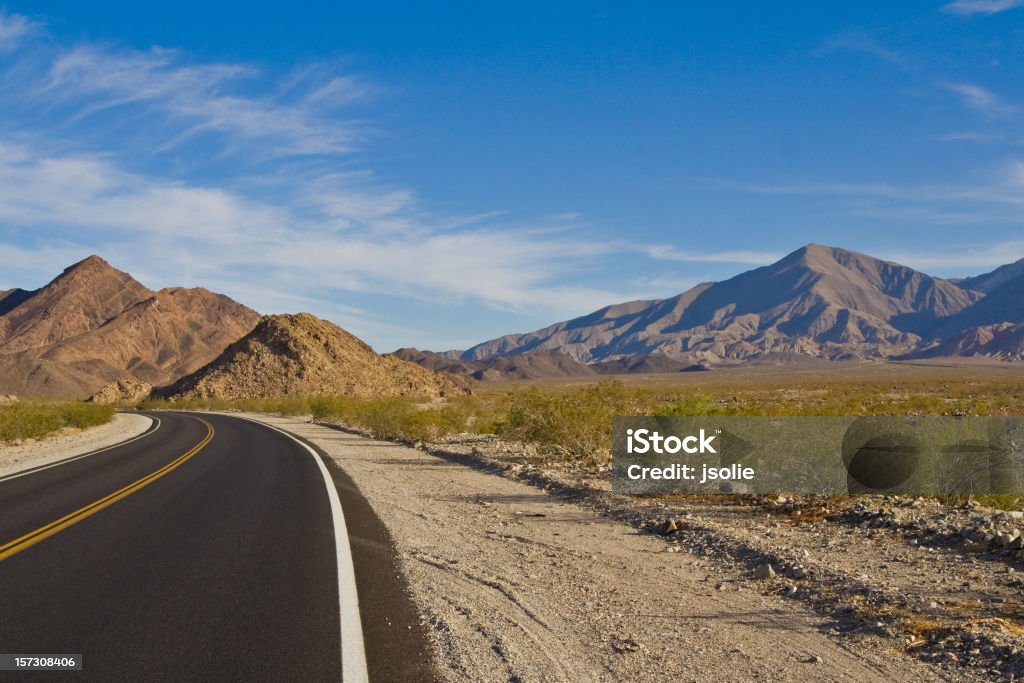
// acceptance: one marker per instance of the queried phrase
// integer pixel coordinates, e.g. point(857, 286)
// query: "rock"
point(790, 591)
point(667, 527)
point(1014, 514)
point(815, 659)
point(8, 399)
point(625, 645)
point(764, 571)
point(122, 391)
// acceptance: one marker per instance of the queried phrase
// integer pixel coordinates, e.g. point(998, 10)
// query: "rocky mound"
point(122, 391)
point(302, 355)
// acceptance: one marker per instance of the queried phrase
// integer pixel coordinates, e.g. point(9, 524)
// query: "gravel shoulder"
point(515, 582)
point(69, 443)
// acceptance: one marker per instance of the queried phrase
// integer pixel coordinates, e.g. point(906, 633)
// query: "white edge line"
point(353, 651)
point(33, 470)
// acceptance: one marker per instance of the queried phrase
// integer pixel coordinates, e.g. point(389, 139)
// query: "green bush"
point(32, 420)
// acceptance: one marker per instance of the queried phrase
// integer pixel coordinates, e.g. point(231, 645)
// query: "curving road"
point(203, 550)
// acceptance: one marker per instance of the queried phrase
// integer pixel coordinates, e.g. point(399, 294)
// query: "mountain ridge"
point(818, 301)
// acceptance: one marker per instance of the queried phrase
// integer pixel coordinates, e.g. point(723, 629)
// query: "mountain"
point(1004, 303)
point(988, 282)
point(436, 362)
point(818, 301)
point(1003, 341)
point(652, 363)
point(289, 355)
point(94, 324)
point(540, 365)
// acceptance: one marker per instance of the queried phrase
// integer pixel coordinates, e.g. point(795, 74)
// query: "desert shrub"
point(31, 420)
point(576, 424)
point(698, 405)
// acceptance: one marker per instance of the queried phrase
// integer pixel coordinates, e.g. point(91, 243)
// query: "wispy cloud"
point(1000, 191)
point(13, 29)
point(172, 229)
point(669, 253)
point(969, 136)
point(197, 99)
point(959, 260)
point(859, 41)
point(980, 99)
point(969, 7)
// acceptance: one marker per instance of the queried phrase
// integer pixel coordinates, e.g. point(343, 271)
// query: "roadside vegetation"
point(37, 419)
point(571, 422)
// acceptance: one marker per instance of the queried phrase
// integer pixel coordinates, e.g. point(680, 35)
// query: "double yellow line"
point(56, 526)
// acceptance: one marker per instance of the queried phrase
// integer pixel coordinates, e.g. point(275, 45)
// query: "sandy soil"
point(32, 453)
point(516, 583)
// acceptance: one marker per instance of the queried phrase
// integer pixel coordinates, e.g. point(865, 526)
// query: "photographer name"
point(677, 471)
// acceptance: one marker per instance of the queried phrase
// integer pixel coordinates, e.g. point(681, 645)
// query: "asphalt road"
point(205, 550)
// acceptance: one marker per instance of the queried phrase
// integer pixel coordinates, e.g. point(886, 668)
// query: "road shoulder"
point(514, 583)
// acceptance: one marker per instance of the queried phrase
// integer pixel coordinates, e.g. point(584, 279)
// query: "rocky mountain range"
point(817, 302)
point(94, 324)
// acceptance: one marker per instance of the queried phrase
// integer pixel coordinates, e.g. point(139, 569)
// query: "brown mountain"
point(988, 282)
point(651, 363)
point(1004, 303)
point(1003, 341)
point(94, 324)
point(818, 301)
point(540, 365)
point(290, 355)
point(436, 362)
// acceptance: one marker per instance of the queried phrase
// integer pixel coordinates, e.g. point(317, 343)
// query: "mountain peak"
point(94, 323)
point(89, 262)
point(815, 250)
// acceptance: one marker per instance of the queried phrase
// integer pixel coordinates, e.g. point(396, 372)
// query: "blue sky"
point(437, 174)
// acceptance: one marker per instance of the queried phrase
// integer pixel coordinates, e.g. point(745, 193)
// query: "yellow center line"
point(56, 526)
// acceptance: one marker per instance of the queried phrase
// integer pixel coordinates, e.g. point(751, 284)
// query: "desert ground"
point(524, 565)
